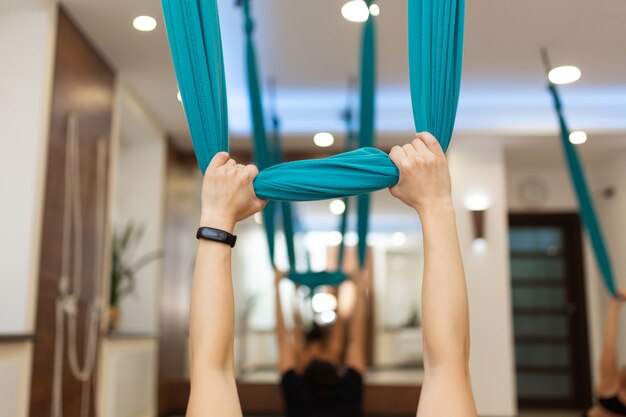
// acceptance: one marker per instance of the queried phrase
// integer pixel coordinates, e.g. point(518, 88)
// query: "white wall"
point(27, 49)
point(560, 197)
point(138, 197)
point(27, 42)
point(480, 169)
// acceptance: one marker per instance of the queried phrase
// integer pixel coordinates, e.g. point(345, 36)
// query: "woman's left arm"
point(227, 197)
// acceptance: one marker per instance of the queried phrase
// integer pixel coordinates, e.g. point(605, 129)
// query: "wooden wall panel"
point(83, 83)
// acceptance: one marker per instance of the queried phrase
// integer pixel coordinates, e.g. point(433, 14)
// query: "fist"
point(424, 177)
point(227, 193)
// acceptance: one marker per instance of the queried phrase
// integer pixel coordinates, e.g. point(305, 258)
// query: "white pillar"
point(479, 169)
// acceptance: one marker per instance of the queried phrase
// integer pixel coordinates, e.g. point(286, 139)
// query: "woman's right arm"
point(425, 185)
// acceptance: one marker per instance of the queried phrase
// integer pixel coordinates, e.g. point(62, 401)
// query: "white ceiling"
point(311, 51)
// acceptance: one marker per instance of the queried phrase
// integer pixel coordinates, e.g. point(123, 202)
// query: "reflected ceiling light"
point(374, 10)
point(477, 202)
point(335, 238)
point(355, 11)
point(323, 301)
point(564, 75)
point(323, 139)
point(337, 207)
point(258, 218)
point(398, 239)
point(327, 317)
point(144, 23)
point(578, 137)
point(179, 97)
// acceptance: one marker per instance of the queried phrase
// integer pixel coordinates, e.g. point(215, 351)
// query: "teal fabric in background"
point(585, 202)
point(435, 55)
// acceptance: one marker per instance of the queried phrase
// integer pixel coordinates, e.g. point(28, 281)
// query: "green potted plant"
point(124, 267)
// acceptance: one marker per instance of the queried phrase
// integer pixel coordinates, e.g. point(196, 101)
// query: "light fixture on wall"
point(477, 204)
point(398, 239)
point(564, 75)
point(144, 23)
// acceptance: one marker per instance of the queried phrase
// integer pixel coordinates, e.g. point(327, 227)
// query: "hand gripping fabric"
point(435, 55)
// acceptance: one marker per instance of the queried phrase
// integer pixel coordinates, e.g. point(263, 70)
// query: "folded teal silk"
point(585, 202)
point(314, 279)
point(435, 52)
point(352, 173)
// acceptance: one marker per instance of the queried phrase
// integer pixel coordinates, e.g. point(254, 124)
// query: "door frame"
point(576, 291)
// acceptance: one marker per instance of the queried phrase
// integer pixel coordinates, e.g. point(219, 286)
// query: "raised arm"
point(609, 382)
point(286, 359)
point(227, 197)
point(425, 185)
point(355, 351)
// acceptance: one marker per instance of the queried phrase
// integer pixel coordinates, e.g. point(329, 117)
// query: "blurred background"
point(91, 123)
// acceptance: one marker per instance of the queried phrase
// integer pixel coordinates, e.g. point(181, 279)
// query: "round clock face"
point(533, 191)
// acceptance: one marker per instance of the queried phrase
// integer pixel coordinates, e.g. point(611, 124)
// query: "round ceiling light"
point(323, 139)
point(355, 11)
point(144, 23)
point(578, 137)
point(564, 75)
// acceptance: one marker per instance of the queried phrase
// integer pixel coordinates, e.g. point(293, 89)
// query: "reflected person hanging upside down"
point(611, 388)
point(228, 197)
point(314, 380)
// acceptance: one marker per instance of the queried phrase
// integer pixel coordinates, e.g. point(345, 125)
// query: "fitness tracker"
point(216, 235)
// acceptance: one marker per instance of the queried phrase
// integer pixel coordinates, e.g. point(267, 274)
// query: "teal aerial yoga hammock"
point(435, 55)
point(587, 210)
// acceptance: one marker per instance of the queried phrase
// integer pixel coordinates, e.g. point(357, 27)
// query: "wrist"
point(435, 208)
point(218, 221)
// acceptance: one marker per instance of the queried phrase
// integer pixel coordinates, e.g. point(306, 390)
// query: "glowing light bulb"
point(337, 207)
point(323, 301)
point(323, 139)
point(564, 75)
point(355, 11)
point(374, 10)
point(578, 137)
point(144, 23)
point(398, 239)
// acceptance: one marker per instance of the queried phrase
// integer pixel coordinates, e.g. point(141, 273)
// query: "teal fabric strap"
point(435, 52)
point(315, 279)
point(367, 122)
point(585, 202)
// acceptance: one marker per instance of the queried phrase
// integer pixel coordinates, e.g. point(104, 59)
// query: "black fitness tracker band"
point(216, 235)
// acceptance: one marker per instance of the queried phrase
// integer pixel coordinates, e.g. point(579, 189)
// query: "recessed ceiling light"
point(578, 137)
point(337, 207)
point(323, 139)
point(355, 11)
point(564, 75)
point(144, 23)
point(374, 10)
point(179, 97)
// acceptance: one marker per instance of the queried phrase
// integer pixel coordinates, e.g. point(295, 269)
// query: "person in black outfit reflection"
point(611, 388)
point(314, 380)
